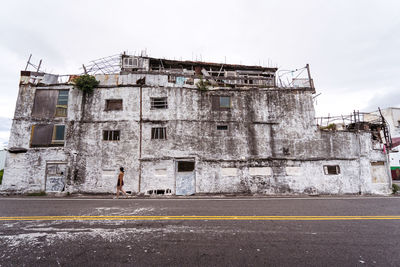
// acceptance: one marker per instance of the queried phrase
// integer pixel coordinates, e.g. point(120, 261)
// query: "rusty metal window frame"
point(158, 102)
point(111, 135)
point(331, 169)
point(110, 101)
point(159, 133)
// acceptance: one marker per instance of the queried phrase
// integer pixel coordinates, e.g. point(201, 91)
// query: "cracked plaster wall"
point(268, 128)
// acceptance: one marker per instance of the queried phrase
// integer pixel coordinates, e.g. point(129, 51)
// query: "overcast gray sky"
point(352, 46)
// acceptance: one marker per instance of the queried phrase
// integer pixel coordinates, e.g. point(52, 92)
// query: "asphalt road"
point(295, 232)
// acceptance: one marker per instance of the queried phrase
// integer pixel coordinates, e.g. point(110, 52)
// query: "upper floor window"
point(111, 135)
point(62, 103)
point(221, 102)
point(159, 102)
point(159, 133)
point(130, 62)
point(50, 103)
point(45, 135)
point(113, 104)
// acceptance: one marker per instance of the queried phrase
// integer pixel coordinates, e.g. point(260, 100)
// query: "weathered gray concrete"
point(271, 145)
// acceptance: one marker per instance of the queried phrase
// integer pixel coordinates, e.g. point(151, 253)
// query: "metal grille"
point(159, 103)
point(159, 133)
point(111, 135)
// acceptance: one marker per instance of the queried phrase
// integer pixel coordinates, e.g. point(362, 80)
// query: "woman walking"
point(120, 182)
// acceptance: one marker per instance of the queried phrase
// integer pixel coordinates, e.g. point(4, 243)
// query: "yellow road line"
point(160, 218)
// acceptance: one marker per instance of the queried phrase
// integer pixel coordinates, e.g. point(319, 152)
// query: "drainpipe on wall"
point(140, 139)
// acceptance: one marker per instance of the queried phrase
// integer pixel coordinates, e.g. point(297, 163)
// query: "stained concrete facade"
point(240, 134)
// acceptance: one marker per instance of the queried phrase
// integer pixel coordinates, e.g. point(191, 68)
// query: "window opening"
point(114, 104)
point(331, 169)
point(111, 135)
point(159, 102)
point(224, 101)
point(58, 134)
point(185, 166)
point(222, 127)
point(62, 103)
point(159, 133)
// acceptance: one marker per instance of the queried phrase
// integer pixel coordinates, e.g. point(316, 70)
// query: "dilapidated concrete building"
point(185, 127)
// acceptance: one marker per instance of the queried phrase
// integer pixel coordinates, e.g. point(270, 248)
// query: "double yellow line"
point(197, 218)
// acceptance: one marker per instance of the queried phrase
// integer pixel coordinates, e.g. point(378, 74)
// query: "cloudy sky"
point(353, 47)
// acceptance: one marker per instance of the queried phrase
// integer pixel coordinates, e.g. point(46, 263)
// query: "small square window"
point(114, 104)
point(331, 169)
point(159, 133)
point(224, 101)
point(111, 135)
point(159, 102)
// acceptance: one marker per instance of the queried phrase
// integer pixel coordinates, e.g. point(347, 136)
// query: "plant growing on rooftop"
point(86, 83)
point(203, 85)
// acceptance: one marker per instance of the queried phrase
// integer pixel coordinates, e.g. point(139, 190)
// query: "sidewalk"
point(196, 196)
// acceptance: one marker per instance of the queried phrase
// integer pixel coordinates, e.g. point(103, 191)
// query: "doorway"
point(185, 177)
point(55, 177)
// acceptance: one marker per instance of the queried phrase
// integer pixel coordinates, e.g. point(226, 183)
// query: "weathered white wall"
point(271, 145)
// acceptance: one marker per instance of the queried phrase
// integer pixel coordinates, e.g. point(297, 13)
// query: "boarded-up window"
point(331, 169)
point(159, 133)
point(221, 102)
point(114, 104)
point(111, 135)
point(159, 102)
point(47, 135)
point(44, 105)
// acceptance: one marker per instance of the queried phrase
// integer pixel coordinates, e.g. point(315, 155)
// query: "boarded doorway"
point(378, 172)
point(185, 177)
point(55, 177)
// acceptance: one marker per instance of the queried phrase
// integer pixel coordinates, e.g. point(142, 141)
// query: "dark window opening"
point(222, 127)
point(111, 135)
point(114, 104)
point(159, 102)
point(185, 166)
point(331, 169)
point(159, 133)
